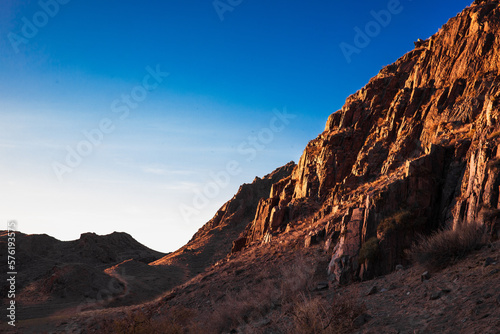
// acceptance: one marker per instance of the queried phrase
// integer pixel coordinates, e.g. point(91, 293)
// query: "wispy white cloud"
point(158, 170)
point(180, 186)
point(30, 144)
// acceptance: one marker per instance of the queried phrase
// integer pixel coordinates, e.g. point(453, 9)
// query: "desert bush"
point(316, 315)
point(444, 247)
point(401, 220)
point(295, 278)
point(311, 315)
point(280, 288)
point(241, 307)
point(369, 250)
point(394, 222)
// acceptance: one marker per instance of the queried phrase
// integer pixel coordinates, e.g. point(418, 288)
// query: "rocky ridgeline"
point(413, 150)
point(218, 237)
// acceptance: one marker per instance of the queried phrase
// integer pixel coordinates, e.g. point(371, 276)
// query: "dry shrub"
point(278, 289)
point(370, 250)
point(398, 220)
point(178, 320)
point(310, 316)
point(241, 307)
point(295, 278)
point(444, 247)
point(316, 315)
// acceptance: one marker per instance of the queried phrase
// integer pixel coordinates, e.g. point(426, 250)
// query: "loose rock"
point(373, 290)
point(489, 261)
point(361, 320)
point(435, 295)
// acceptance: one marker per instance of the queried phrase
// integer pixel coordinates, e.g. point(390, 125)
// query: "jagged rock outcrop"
point(413, 150)
point(219, 236)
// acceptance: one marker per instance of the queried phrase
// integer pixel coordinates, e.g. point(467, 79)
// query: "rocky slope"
point(413, 150)
point(464, 298)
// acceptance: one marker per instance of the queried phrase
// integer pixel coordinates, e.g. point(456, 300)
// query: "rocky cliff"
point(413, 150)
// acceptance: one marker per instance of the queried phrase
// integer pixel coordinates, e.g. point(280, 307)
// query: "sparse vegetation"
point(243, 307)
point(178, 320)
point(444, 247)
point(369, 250)
point(315, 315)
point(283, 297)
point(310, 316)
point(397, 221)
point(295, 278)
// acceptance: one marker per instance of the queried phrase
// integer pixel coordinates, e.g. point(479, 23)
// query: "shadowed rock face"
point(413, 150)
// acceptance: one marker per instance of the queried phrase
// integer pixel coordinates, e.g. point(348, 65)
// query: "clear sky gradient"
point(95, 136)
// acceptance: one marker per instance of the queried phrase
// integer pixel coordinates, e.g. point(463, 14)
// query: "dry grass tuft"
point(278, 289)
point(315, 315)
point(444, 247)
point(295, 278)
point(242, 308)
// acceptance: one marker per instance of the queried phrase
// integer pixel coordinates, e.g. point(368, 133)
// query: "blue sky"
point(91, 77)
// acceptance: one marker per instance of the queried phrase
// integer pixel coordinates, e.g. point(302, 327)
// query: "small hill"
point(55, 275)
